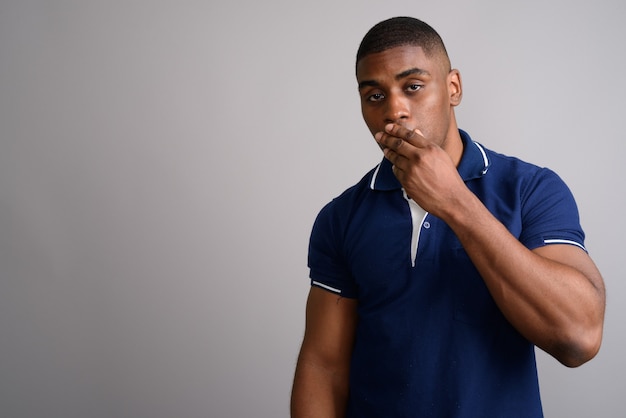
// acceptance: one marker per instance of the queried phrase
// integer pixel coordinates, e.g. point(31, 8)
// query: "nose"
point(397, 109)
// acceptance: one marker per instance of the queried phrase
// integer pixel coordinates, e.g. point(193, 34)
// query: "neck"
point(454, 143)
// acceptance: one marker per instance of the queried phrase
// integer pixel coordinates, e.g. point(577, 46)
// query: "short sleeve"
point(549, 212)
point(327, 262)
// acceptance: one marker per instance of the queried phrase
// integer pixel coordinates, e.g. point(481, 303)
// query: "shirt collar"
point(474, 164)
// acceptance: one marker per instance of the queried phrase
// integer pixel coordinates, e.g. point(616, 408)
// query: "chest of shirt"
point(434, 272)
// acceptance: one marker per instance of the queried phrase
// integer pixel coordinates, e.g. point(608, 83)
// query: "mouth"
point(406, 126)
point(409, 127)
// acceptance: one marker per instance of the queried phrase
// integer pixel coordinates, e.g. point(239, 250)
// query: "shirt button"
point(426, 224)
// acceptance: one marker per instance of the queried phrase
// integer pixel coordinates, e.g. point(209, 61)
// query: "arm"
point(553, 295)
point(320, 387)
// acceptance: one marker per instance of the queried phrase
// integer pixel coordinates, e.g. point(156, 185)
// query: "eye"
point(376, 97)
point(414, 87)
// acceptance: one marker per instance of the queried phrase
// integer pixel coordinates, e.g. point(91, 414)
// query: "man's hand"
point(424, 168)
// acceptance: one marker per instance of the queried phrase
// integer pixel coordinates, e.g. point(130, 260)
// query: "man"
point(435, 276)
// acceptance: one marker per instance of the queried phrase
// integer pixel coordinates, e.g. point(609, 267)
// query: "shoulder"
point(526, 175)
point(351, 197)
point(499, 161)
point(545, 205)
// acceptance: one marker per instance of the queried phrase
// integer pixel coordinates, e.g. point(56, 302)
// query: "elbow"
point(579, 348)
point(580, 338)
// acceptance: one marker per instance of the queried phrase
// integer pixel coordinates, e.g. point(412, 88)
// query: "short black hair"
point(402, 31)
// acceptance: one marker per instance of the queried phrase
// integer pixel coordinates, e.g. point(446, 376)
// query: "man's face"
point(402, 85)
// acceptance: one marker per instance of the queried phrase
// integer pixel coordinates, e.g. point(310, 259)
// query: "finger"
point(397, 172)
point(412, 136)
point(391, 155)
point(397, 160)
point(387, 141)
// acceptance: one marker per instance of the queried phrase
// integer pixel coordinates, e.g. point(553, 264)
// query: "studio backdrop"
point(162, 163)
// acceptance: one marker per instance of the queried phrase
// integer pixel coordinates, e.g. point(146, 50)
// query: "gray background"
point(162, 162)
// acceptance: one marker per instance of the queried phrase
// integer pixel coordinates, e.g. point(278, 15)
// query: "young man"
point(434, 277)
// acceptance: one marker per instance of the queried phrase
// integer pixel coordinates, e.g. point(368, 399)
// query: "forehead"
point(393, 61)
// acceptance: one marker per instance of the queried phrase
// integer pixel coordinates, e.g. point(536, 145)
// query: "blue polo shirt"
point(430, 340)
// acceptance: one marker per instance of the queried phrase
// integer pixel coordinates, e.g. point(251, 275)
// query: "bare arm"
point(554, 295)
point(321, 381)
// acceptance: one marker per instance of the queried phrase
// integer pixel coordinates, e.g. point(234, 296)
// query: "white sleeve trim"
point(322, 285)
point(563, 241)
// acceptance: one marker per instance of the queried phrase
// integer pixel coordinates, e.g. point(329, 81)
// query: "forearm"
point(318, 392)
point(554, 305)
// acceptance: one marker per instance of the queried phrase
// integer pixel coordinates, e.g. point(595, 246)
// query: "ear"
point(455, 87)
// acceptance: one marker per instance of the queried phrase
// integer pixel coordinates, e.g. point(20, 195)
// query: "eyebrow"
point(399, 76)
